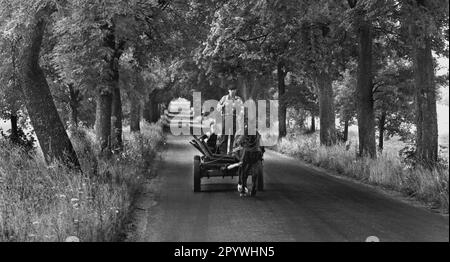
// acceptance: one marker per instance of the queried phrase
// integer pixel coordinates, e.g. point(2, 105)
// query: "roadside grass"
point(429, 186)
point(51, 203)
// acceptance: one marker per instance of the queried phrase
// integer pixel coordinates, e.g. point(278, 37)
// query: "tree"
point(10, 96)
point(281, 74)
point(89, 69)
point(323, 51)
point(248, 41)
point(132, 84)
point(108, 28)
point(393, 97)
point(300, 96)
point(49, 129)
point(345, 100)
point(365, 115)
point(426, 22)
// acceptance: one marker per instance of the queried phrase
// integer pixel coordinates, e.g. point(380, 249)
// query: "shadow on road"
point(218, 187)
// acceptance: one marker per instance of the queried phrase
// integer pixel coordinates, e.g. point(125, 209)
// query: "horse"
point(250, 154)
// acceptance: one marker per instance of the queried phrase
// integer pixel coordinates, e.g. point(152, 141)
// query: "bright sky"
point(442, 70)
point(443, 66)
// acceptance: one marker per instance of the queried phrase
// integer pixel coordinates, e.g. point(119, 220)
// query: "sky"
point(442, 70)
point(443, 66)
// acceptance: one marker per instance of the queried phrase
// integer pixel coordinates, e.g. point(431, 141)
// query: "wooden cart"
point(215, 165)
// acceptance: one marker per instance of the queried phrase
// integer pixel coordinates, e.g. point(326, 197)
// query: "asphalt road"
point(299, 203)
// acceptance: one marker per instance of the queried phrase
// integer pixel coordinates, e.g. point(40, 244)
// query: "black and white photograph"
point(224, 128)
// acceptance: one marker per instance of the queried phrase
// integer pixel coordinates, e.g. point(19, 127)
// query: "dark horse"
point(250, 153)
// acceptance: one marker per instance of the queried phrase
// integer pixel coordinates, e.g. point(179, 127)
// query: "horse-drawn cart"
point(215, 165)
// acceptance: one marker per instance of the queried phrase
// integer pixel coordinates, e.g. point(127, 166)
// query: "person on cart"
point(230, 106)
point(211, 138)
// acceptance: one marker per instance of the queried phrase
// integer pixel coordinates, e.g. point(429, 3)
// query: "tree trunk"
point(346, 124)
point(313, 123)
point(155, 112)
point(112, 81)
point(151, 109)
point(249, 84)
point(281, 71)
point(135, 114)
point(256, 83)
point(244, 83)
point(326, 111)
point(116, 120)
point(366, 117)
point(381, 128)
point(302, 117)
point(146, 115)
point(49, 129)
point(14, 128)
point(425, 99)
point(103, 122)
point(74, 104)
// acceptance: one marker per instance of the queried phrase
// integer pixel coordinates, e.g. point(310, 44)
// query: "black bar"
point(286, 251)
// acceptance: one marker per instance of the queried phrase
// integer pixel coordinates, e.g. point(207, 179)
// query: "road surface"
point(300, 203)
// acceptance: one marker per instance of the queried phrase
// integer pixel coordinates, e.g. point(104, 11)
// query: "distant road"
point(299, 204)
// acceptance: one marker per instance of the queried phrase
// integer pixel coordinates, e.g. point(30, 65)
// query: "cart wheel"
point(197, 174)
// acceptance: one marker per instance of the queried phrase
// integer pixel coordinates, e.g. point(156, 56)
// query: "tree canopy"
point(365, 62)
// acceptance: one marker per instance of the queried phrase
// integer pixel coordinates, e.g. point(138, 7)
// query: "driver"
point(231, 100)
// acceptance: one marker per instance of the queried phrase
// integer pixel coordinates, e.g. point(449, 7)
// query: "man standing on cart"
point(230, 106)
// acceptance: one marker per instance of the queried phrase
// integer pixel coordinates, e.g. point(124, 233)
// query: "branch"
point(253, 38)
point(376, 86)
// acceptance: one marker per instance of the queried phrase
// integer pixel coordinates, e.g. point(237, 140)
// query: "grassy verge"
point(52, 203)
point(428, 186)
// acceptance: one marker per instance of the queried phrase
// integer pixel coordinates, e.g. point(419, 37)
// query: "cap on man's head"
point(232, 87)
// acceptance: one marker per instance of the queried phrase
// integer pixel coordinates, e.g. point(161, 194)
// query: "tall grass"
point(51, 203)
point(429, 186)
